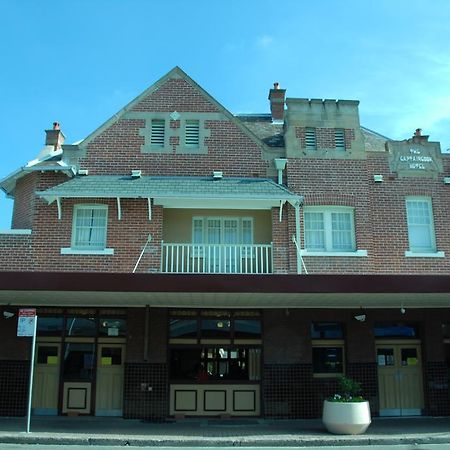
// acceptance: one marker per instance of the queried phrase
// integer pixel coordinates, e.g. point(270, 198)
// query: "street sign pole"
point(30, 390)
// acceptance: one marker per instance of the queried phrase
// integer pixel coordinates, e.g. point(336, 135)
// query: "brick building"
point(186, 261)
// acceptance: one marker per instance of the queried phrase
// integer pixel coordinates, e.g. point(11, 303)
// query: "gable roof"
point(175, 73)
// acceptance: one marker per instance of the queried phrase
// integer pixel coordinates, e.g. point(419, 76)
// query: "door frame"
point(397, 345)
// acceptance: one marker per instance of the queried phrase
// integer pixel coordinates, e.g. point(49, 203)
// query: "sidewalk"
point(207, 433)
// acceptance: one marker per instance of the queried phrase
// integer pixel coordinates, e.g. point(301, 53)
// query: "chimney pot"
point(54, 137)
point(276, 85)
point(418, 132)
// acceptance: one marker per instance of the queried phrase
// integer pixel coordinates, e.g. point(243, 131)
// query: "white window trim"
point(16, 231)
point(419, 253)
point(358, 253)
point(328, 232)
point(73, 249)
point(410, 254)
point(239, 220)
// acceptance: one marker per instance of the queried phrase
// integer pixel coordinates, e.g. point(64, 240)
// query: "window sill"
point(328, 375)
point(16, 232)
point(409, 254)
point(312, 253)
point(74, 251)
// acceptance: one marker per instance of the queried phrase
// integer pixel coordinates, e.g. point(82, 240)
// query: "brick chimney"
point(419, 137)
point(276, 98)
point(55, 137)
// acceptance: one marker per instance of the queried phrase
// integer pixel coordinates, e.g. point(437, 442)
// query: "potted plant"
point(347, 412)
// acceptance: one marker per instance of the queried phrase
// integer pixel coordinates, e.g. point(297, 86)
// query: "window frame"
point(431, 231)
point(240, 229)
point(328, 248)
point(75, 249)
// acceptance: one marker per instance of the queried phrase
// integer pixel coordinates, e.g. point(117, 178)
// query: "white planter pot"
point(346, 418)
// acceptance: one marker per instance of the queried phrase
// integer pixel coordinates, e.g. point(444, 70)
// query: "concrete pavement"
point(215, 432)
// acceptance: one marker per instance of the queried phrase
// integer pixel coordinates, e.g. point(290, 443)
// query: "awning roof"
point(224, 291)
point(176, 191)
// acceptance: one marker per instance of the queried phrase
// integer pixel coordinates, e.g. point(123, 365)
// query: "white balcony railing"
point(217, 258)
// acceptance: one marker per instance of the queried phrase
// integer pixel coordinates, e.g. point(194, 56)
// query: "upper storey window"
point(339, 139)
point(310, 139)
point(420, 225)
point(157, 133)
point(192, 137)
point(329, 229)
point(89, 227)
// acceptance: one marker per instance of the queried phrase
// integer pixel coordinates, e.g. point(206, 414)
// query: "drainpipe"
point(280, 165)
point(297, 236)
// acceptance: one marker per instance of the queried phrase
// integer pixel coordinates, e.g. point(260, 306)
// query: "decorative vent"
point(158, 129)
point(192, 133)
point(310, 138)
point(339, 139)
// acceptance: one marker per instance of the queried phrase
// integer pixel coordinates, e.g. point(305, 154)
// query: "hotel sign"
point(415, 160)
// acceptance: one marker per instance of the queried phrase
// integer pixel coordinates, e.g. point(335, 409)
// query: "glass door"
point(78, 375)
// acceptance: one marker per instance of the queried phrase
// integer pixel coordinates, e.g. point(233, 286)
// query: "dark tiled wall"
point(139, 401)
point(14, 379)
point(291, 392)
point(437, 395)
point(286, 391)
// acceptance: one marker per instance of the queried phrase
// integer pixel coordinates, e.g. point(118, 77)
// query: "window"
point(420, 225)
point(158, 133)
point(222, 230)
point(192, 138)
point(310, 139)
point(327, 349)
point(339, 139)
point(329, 229)
point(89, 227)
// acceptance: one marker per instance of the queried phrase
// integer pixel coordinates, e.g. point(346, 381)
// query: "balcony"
point(217, 258)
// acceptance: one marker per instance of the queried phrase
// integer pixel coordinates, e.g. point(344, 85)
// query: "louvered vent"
point(339, 139)
point(192, 133)
point(158, 128)
point(310, 138)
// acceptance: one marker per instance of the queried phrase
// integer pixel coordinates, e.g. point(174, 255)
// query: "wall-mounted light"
point(8, 314)
point(360, 317)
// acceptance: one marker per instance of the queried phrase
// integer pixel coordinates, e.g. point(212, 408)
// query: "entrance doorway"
point(400, 378)
point(79, 366)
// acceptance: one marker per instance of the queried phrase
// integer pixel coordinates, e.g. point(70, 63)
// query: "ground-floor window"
point(327, 340)
point(215, 345)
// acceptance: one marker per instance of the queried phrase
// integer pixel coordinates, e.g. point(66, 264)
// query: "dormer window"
point(158, 132)
point(192, 138)
point(339, 139)
point(310, 139)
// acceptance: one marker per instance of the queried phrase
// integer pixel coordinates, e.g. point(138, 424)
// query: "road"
point(108, 447)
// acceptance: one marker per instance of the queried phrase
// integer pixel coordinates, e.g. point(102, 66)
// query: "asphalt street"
point(101, 447)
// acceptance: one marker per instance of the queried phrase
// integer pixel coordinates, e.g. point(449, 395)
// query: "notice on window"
point(52, 360)
point(106, 361)
point(411, 361)
point(381, 360)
